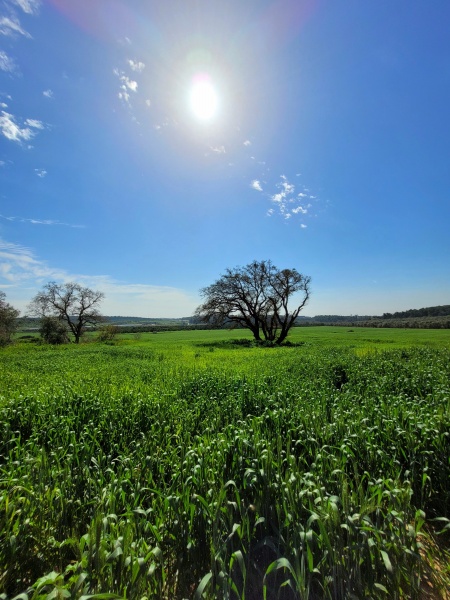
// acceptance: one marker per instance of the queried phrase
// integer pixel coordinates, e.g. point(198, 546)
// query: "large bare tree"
point(256, 297)
point(75, 305)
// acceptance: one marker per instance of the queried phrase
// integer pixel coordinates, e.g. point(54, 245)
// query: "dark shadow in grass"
point(246, 343)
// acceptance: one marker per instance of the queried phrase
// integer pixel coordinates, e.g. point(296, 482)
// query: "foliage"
point(165, 470)
point(54, 331)
point(430, 311)
point(256, 297)
point(107, 332)
point(8, 320)
point(77, 306)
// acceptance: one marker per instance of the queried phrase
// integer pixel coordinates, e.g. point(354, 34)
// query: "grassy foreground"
point(192, 465)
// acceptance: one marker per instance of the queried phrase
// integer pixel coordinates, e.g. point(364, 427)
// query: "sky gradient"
point(328, 150)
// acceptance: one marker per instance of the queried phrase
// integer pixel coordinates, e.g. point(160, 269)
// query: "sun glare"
point(203, 99)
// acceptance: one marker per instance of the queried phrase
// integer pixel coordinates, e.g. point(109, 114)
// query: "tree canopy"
point(8, 320)
point(75, 305)
point(256, 297)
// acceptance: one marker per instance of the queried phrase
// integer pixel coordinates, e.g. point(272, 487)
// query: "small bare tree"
point(256, 297)
point(75, 305)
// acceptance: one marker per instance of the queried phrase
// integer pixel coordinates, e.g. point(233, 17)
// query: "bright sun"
point(203, 98)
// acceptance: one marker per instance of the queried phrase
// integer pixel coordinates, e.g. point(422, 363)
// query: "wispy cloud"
point(256, 185)
point(31, 7)
point(7, 64)
point(14, 132)
point(34, 123)
point(48, 93)
point(40, 172)
point(40, 222)
point(11, 26)
point(247, 143)
point(218, 149)
point(19, 267)
point(136, 66)
point(18, 264)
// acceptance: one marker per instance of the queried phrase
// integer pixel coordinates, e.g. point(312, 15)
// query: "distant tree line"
point(430, 311)
point(411, 323)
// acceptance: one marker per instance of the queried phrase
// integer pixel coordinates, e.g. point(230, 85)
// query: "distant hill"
point(429, 317)
point(431, 311)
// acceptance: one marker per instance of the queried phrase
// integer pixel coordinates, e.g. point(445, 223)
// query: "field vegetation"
point(197, 464)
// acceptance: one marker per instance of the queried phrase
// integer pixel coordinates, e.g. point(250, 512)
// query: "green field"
point(192, 464)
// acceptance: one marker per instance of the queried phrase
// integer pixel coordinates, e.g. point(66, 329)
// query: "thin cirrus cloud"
point(30, 7)
point(18, 266)
point(40, 173)
point(10, 26)
point(40, 221)
point(218, 149)
point(11, 130)
point(48, 93)
point(7, 63)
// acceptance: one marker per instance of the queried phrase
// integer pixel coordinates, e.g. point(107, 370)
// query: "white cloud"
point(285, 201)
point(303, 226)
point(125, 96)
point(300, 209)
point(256, 185)
point(40, 172)
point(11, 27)
point(48, 93)
point(136, 66)
point(30, 7)
point(247, 143)
point(218, 149)
point(12, 131)
point(278, 198)
point(7, 64)
point(21, 271)
point(127, 85)
point(34, 123)
point(148, 103)
point(18, 264)
point(40, 221)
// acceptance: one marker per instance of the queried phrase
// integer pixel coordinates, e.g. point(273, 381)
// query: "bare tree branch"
point(70, 302)
point(255, 297)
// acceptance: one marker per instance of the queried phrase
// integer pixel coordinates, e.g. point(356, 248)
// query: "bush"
point(54, 331)
point(106, 333)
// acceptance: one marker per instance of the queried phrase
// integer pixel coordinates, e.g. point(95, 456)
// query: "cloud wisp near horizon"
point(20, 267)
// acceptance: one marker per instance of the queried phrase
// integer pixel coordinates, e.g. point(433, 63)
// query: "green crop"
point(192, 466)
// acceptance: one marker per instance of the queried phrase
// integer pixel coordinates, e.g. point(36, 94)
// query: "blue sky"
point(324, 146)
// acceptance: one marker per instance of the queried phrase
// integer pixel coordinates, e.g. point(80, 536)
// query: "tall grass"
point(138, 472)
